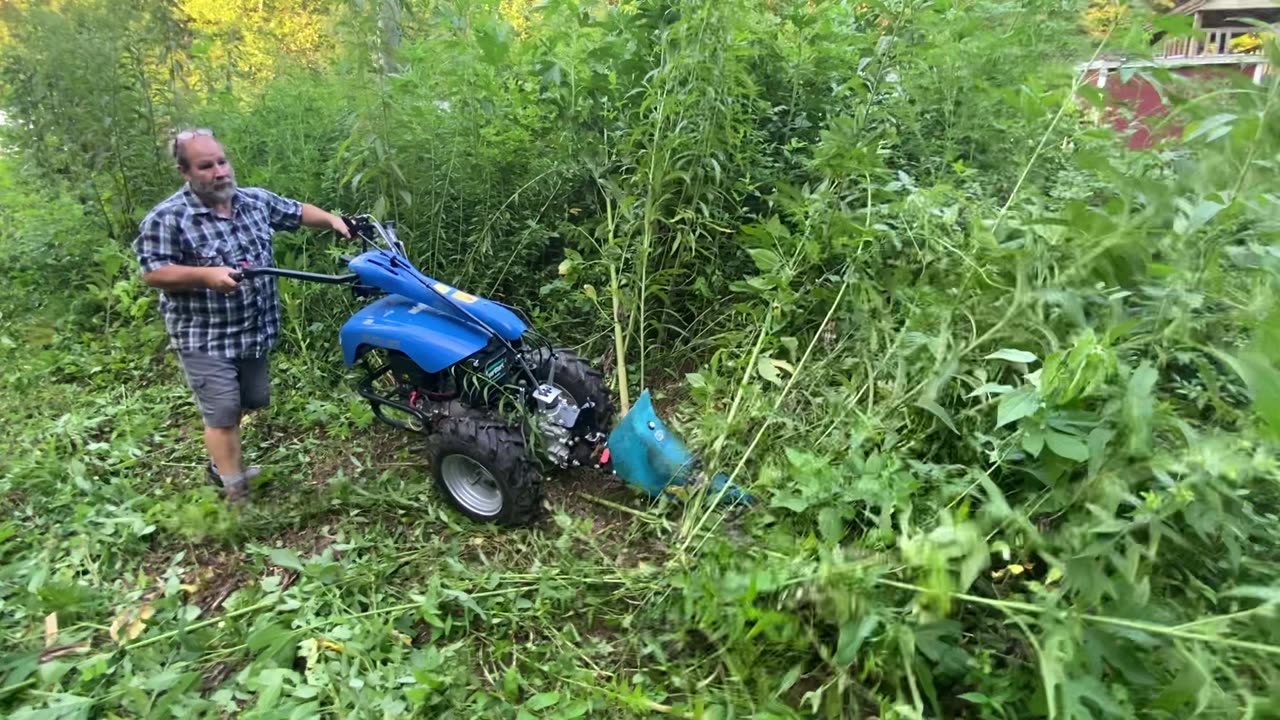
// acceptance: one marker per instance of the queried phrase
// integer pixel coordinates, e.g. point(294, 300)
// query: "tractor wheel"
point(483, 467)
point(584, 385)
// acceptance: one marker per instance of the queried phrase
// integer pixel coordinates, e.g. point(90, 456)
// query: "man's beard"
point(216, 192)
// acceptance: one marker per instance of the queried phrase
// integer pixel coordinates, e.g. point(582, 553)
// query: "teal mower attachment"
point(646, 455)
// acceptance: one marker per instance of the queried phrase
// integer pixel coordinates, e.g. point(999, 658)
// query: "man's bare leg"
point(223, 445)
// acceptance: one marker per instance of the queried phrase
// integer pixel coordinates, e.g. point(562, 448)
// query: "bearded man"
point(191, 247)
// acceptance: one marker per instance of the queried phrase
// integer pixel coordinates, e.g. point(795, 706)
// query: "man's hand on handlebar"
point(223, 279)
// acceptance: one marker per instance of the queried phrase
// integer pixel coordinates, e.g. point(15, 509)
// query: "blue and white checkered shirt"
point(182, 230)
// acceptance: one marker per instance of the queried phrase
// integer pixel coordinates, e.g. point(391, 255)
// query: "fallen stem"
point(648, 704)
point(203, 623)
point(1152, 628)
point(640, 514)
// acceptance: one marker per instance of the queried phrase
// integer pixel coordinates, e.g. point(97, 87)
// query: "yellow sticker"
point(442, 288)
point(463, 297)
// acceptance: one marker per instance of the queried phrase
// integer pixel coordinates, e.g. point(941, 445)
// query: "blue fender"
point(396, 276)
point(432, 338)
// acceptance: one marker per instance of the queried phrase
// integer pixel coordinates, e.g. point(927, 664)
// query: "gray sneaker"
point(236, 489)
point(215, 479)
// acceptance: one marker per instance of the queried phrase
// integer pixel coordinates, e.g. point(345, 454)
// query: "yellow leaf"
point(1016, 569)
point(133, 620)
point(331, 645)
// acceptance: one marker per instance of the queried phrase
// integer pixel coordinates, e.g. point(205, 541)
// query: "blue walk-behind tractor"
point(498, 402)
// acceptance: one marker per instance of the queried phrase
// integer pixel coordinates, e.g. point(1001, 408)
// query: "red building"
point(1223, 43)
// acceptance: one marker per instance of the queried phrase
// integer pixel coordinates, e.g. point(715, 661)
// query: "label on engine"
point(494, 371)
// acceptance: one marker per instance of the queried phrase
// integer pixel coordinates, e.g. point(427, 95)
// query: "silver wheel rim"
point(471, 485)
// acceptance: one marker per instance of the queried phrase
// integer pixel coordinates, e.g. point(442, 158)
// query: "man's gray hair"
point(180, 141)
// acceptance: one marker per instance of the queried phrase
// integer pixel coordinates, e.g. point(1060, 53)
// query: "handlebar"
point(293, 275)
point(363, 226)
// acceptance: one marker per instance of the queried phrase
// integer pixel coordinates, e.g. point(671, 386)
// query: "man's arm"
point(314, 217)
point(158, 252)
point(186, 277)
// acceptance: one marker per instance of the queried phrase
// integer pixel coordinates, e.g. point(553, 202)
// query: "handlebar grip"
point(354, 226)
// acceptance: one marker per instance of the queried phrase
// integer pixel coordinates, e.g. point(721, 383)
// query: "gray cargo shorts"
point(224, 387)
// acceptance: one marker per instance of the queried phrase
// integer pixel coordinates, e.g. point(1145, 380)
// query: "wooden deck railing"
point(1215, 42)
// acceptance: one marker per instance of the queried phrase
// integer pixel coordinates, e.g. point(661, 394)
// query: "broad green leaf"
point(264, 636)
point(990, 389)
point(768, 369)
point(831, 524)
point(270, 683)
point(790, 678)
point(543, 700)
point(285, 558)
point(1033, 441)
point(1215, 127)
point(765, 260)
point(465, 600)
point(1099, 438)
point(791, 502)
point(1011, 355)
point(975, 697)
point(511, 683)
point(1019, 404)
point(1264, 384)
point(852, 635)
point(1138, 408)
point(1067, 446)
point(1192, 218)
point(162, 680)
point(940, 412)
point(1257, 592)
point(996, 505)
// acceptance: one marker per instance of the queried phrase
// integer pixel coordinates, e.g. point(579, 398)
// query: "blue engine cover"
point(420, 316)
point(395, 276)
point(432, 339)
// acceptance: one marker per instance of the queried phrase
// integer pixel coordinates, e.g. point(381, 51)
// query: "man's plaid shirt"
point(182, 230)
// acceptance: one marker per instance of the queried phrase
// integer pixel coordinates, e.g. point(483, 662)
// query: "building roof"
point(1191, 6)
